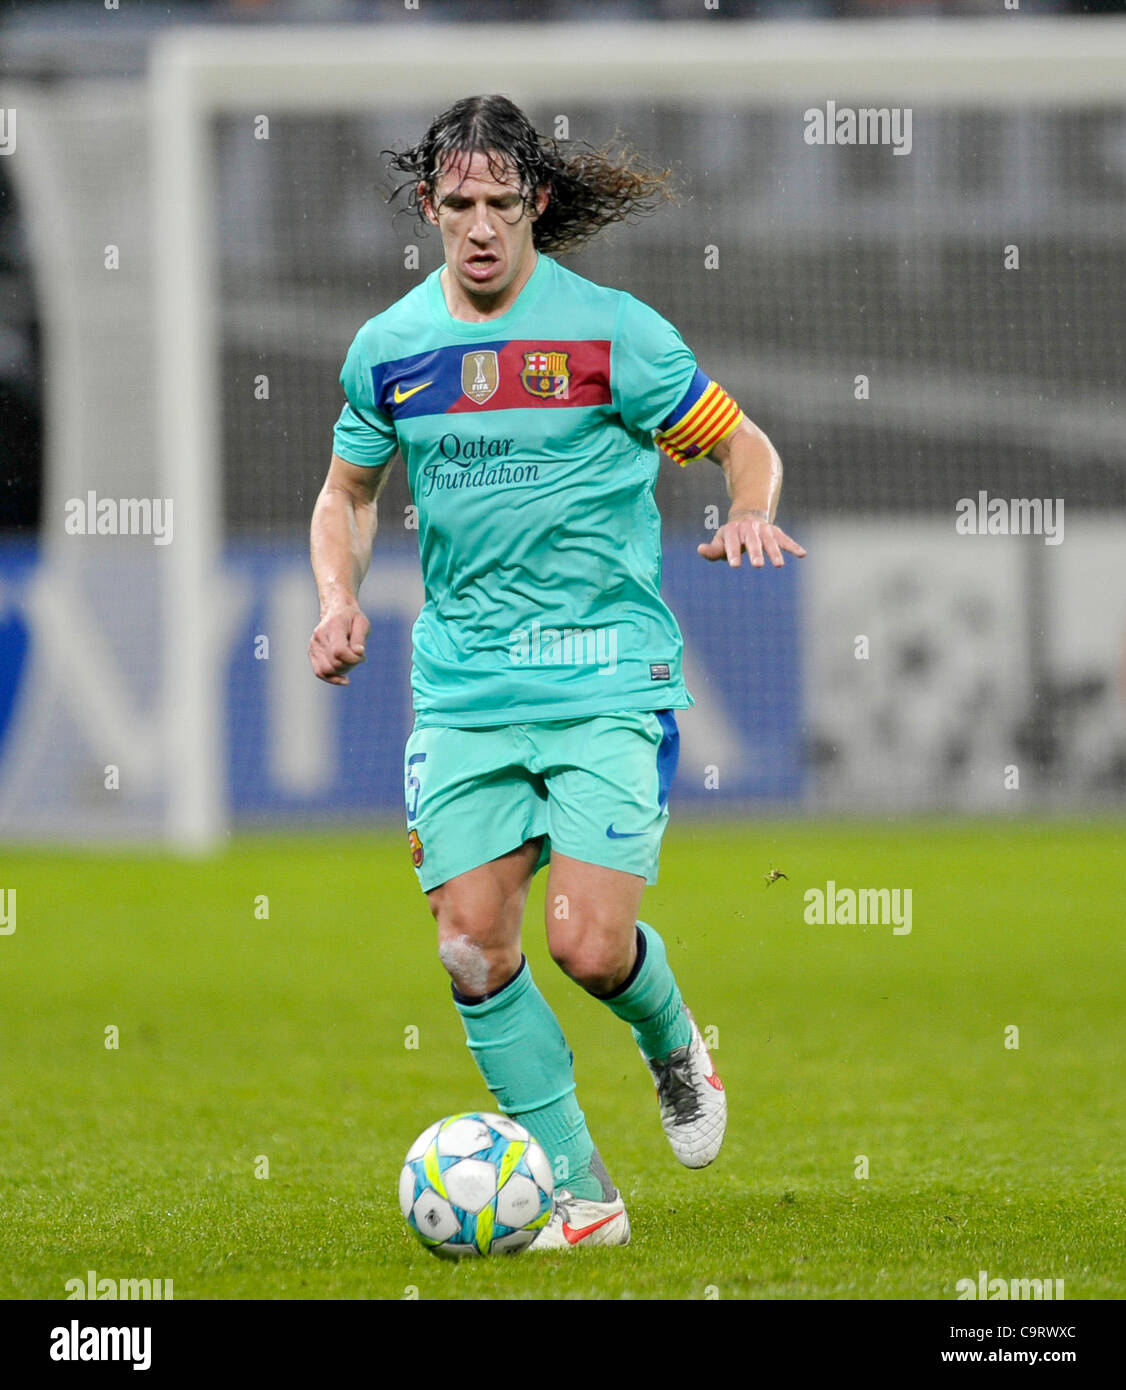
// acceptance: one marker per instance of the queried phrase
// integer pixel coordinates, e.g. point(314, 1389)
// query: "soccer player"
point(528, 404)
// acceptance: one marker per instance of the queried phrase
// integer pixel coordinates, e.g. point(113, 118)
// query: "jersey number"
point(414, 786)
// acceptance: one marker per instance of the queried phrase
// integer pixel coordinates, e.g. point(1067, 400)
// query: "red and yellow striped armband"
point(705, 415)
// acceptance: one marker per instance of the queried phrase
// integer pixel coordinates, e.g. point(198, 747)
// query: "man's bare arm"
point(340, 541)
point(754, 483)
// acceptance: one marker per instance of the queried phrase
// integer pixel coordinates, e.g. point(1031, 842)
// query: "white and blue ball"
point(476, 1184)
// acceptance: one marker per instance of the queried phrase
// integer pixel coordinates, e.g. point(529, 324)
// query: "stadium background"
point(791, 270)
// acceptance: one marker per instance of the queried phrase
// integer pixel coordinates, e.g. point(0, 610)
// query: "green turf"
point(242, 1037)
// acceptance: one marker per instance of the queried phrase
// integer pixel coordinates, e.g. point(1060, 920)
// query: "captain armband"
point(704, 417)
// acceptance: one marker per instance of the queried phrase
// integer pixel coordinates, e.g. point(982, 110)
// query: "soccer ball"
point(476, 1184)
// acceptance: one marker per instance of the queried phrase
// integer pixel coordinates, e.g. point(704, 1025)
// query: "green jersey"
point(529, 442)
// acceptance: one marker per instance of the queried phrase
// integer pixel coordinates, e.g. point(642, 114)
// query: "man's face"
point(486, 233)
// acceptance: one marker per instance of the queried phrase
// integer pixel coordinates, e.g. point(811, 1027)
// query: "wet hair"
point(589, 188)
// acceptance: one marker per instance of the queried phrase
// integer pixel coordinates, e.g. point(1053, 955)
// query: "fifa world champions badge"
point(480, 375)
point(547, 375)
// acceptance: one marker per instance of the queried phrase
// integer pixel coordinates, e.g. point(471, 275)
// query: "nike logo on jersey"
point(612, 834)
point(400, 396)
point(573, 1236)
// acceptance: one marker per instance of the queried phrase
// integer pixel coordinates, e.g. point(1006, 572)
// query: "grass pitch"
point(249, 1044)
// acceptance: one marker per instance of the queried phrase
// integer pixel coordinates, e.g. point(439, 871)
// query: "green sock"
point(649, 1000)
point(523, 1056)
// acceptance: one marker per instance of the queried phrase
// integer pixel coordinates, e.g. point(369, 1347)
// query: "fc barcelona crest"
point(546, 374)
point(415, 847)
point(480, 375)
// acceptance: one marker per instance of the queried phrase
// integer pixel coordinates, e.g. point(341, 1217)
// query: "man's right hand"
point(338, 643)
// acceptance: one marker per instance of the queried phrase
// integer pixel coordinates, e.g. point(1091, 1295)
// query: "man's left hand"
point(754, 533)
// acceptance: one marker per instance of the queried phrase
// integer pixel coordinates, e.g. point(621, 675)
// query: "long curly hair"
point(588, 188)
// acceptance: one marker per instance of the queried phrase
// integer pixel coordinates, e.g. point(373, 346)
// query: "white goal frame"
point(198, 73)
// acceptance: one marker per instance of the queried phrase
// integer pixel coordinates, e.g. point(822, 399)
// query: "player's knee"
point(598, 963)
point(465, 962)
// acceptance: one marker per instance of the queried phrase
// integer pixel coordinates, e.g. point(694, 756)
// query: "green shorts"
point(596, 789)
